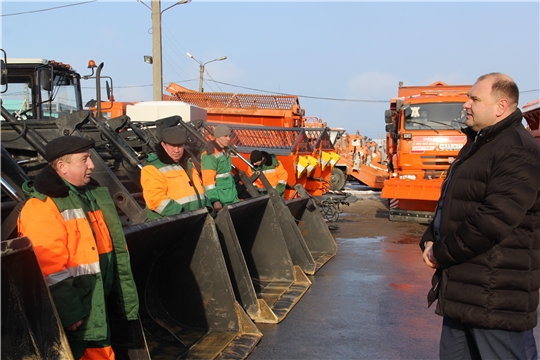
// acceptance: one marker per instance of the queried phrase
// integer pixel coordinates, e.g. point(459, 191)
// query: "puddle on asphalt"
point(402, 239)
point(362, 240)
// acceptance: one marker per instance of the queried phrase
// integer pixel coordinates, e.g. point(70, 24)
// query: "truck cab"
point(423, 137)
point(40, 89)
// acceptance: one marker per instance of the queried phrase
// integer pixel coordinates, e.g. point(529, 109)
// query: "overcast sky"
point(343, 59)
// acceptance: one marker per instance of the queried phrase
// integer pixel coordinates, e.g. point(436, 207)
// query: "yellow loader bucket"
point(314, 230)
point(187, 303)
point(265, 281)
point(31, 328)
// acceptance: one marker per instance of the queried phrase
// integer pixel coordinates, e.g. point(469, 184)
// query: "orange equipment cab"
point(423, 137)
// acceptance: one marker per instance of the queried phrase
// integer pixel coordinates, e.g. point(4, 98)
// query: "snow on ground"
point(361, 191)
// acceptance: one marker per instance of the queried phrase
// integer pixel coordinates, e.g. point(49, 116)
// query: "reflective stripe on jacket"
point(168, 190)
point(217, 178)
point(69, 249)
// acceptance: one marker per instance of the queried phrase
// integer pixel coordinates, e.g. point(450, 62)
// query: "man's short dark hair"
point(503, 85)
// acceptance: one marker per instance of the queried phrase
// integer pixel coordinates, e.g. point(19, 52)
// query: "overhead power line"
point(303, 96)
point(48, 9)
point(137, 86)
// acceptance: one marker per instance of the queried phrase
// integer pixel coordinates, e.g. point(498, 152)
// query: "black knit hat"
point(174, 135)
point(65, 145)
point(255, 156)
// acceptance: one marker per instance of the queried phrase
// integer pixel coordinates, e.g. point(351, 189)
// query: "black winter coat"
point(489, 248)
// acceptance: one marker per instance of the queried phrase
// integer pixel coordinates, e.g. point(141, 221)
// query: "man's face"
point(76, 168)
point(174, 151)
point(223, 141)
point(481, 107)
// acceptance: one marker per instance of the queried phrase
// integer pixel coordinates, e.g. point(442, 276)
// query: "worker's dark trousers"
point(464, 341)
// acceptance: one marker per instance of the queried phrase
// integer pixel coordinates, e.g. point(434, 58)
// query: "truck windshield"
point(63, 99)
point(434, 116)
point(20, 97)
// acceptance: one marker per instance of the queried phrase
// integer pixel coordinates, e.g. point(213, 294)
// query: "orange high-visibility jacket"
point(168, 190)
point(70, 239)
point(275, 174)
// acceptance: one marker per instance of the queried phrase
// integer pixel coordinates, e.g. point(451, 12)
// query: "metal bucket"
point(314, 230)
point(188, 309)
point(296, 244)
point(266, 282)
point(31, 328)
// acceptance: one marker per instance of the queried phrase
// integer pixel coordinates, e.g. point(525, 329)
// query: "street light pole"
point(157, 61)
point(157, 65)
point(201, 69)
point(201, 75)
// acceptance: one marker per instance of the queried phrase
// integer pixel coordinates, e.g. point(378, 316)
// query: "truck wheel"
point(337, 179)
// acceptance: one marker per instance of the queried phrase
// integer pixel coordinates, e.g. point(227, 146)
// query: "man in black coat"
point(484, 239)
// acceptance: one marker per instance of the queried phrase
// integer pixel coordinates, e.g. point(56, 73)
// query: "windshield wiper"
point(419, 123)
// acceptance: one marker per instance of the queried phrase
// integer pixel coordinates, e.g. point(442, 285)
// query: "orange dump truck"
point(423, 137)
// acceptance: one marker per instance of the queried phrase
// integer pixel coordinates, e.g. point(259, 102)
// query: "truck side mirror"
point(390, 128)
point(108, 89)
point(46, 80)
point(388, 116)
point(3, 71)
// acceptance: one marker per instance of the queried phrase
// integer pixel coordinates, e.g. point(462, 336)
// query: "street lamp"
point(157, 62)
point(148, 59)
point(201, 69)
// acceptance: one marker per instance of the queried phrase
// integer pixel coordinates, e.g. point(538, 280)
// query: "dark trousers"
point(463, 341)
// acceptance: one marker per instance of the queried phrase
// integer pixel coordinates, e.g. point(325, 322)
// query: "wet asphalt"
point(368, 302)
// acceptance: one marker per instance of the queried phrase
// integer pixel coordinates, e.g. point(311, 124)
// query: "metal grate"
point(278, 140)
point(239, 101)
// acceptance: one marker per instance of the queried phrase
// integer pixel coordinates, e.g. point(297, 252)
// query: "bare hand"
point(74, 326)
point(429, 259)
point(217, 206)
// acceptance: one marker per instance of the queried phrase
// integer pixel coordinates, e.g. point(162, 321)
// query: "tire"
point(337, 179)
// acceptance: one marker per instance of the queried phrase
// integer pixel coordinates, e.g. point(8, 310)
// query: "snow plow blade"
point(187, 304)
point(31, 328)
point(265, 281)
point(314, 230)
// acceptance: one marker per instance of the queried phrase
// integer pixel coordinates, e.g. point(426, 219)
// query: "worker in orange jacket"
point(80, 246)
point(273, 170)
point(170, 182)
